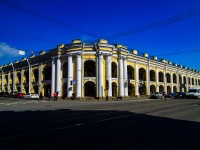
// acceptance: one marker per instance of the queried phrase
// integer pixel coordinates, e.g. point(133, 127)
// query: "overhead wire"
point(179, 17)
point(51, 19)
point(30, 36)
point(157, 24)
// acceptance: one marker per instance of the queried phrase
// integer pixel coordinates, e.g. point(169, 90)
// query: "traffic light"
point(107, 84)
point(70, 82)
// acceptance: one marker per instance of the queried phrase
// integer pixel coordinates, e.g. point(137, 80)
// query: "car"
point(181, 95)
point(156, 95)
point(31, 96)
point(19, 95)
point(170, 95)
point(12, 94)
point(4, 94)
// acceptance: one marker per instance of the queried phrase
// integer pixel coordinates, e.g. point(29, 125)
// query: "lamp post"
point(29, 76)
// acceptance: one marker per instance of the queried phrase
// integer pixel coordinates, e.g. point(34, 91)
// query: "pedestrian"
point(49, 96)
point(163, 96)
point(55, 96)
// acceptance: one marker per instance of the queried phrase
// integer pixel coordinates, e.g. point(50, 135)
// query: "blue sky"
point(90, 20)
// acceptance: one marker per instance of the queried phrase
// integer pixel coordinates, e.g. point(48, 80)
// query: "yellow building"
point(95, 70)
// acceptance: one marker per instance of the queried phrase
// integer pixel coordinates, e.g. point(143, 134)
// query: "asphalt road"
point(143, 124)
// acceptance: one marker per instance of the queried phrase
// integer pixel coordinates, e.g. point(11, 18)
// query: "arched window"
point(114, 70)
point(130, 71)
point(142, 74)
point(90, 68)
point(152, 75)
point(160, 76)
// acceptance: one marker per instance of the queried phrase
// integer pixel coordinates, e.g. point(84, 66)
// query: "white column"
point(53, 77)
point(21, 83)
point(100, 75)
point(178, 84)
point(97, 75)
point(9, 81)
point(125, 78)
point(121, 77)
point(39, 78)
point(148, 78)
point(109, 73)
point(182, 82)
point(165, 80)
point(78, 75)
point(187, 83)
point(14, 81)
point(58, 75)
point(30, 79)
point(136, 79)
point(172, 84)
point(70, 76)
point(157, 80)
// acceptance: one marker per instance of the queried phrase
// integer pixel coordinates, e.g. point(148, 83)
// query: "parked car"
point(181, 95)
point(156, 95)
point(170, 95)
point(31, 96)
point(19, 95)
point(4, 94)
point(12, 94)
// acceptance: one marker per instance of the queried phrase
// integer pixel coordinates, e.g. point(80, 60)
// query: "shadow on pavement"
point(69, 129)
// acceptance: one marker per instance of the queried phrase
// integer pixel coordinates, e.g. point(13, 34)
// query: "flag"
point(21, 52)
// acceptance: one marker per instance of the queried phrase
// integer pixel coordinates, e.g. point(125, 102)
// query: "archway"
point(142, 89)
point(47, 88)
point(174, 89)
point(65, 70)
point(131, 90)
point(168, 89)
point(64, 90)
point(152, 89)
point(35, 88)
point(161, 88)
point(114, 89)
point(90, 89)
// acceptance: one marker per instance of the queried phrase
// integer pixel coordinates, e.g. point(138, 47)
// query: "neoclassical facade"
point(95, 70)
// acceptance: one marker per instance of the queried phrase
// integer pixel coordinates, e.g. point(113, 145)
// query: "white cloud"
point(7, 50)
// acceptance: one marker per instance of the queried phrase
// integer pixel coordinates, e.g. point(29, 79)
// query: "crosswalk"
point(11, 102)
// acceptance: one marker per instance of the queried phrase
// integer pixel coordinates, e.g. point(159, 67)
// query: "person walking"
point(55, 96)
point(49, 96)
point(163, 96)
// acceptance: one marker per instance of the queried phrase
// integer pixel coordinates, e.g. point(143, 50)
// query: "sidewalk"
point(87, 99)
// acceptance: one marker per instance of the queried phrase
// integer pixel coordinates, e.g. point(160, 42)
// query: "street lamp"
point(29, 77)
